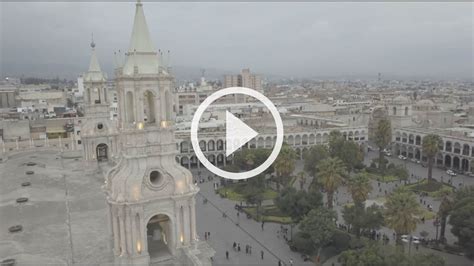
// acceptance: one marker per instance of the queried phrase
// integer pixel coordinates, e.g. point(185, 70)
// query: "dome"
point(401, 100)
point(426, 102)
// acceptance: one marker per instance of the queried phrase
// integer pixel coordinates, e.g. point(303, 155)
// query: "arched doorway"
point(102, 152)
point(447, 161)
point(465, 165)
point(159, 236)
point(456, 163)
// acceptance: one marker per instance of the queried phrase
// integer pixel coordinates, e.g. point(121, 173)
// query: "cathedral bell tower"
point(98, 132)
point(151, 197)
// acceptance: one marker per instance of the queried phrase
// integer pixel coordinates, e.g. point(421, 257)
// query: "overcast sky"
point(290, 39)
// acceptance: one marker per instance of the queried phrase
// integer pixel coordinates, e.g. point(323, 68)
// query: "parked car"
point(450, 172)
point(401, 157)
point(415, 240)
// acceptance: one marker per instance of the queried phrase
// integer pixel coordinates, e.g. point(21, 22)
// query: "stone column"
point(116, 233)
point(122, 231)
point(128, 232)
point(135, 233)
point(193, 219)
point(186, 225)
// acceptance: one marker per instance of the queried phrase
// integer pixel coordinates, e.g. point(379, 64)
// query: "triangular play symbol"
point(237, 133)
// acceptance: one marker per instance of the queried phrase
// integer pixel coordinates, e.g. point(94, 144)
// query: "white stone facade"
point(151, 197)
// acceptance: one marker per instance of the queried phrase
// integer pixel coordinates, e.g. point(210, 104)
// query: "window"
point(155, 177)
point(100, 126)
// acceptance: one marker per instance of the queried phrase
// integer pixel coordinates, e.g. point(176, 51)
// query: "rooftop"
point(65, 219)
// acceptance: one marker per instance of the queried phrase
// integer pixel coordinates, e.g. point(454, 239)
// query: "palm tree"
point(430, 148)
point(401, 213)
point(383, 137)
point(331, 174)
point(446, 196)
point(360, 187)
point(284, 164)
point(302, 179)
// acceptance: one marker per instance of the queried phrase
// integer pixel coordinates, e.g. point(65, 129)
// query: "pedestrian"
point(234, 245)
point(208, 234)
point(279, 263)
point(291, 262)
point(227, 254)
point(238, 214)
point(205, 235)
point(250, 249)
point(246, 249)
point(261, 254)
point(238, 247)
point(263, 223)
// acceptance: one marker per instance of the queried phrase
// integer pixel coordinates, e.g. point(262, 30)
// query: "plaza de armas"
point(359, 205)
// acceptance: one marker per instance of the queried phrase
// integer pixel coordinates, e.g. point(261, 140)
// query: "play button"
point(237, 133)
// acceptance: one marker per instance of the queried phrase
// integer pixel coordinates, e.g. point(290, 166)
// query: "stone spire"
point(141, 57)
point(140, 40)
point(94, 73)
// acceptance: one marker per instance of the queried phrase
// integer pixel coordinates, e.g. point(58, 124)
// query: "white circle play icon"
point(237, 133)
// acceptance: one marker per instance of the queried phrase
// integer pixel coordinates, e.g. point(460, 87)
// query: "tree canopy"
point(319, 225)
point(297, 204)
point(284, 164)
point(346, 150)
point(331, 176)
point(430, 146)
point(313, 157)
point(373, 255)
point(401, 212)
point(462, 219)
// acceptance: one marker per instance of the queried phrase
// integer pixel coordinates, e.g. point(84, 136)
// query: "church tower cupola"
point(98, 132)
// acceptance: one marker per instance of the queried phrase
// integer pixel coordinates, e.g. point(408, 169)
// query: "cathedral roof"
point(426, 102)
point(141, 53)
point(401, 100)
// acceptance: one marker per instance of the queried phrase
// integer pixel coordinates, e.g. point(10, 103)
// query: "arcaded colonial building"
point(456, 151)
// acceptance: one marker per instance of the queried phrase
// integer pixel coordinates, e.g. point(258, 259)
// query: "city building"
point(244, 79)
point(456, 150)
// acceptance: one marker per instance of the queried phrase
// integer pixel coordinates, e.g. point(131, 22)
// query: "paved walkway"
point(224, 232)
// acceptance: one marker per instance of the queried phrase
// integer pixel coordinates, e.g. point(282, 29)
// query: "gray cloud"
point(291, 39)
